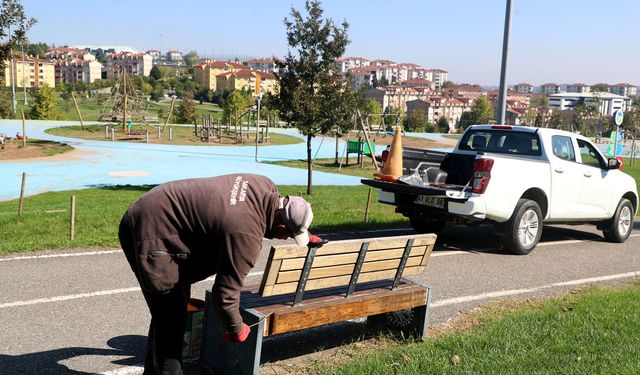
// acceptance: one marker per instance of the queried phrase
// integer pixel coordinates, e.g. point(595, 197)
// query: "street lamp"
point(258, 125)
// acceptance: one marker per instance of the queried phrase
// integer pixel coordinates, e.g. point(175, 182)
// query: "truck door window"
point(563, 147)
point(589, 154)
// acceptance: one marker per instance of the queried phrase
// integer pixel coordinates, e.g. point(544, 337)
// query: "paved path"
point(82, 312)
point(117, 163)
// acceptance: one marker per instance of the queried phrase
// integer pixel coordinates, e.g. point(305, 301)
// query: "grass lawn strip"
point(594, 330)
point(44, 224)
point(13, 150)
point(182, 135)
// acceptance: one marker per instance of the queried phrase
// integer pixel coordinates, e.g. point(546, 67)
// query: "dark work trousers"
point(168, 315)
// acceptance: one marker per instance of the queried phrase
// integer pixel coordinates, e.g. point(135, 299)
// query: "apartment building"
point(360, 77)
point(72, 71)
point(419, 82)
point(65, 53)
point(550, 88)
point(465, 91)
point(439, 76)
point(154, 53)
point(345, 64)
point(580, 88)
point(624, 89)
point(238, 80)
point(29, 71)
point(135, 64)
point(436, 107)
point(264, 65)
point(396, 97)
point(523, 87)
point(206, 73)
point(609, 103)
point(174, 56)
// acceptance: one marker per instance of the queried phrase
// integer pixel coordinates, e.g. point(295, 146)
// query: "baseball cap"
point(297, 217)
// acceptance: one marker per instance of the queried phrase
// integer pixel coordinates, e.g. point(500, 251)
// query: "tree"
point(481, 113)
point(186, 111)
point(13, 28)
point(372, 109)
point(312, 94)
point(44, 104)
point(6, 109)
point(443, 125)
point(37, 49)
point(156, 73)
point(417, 122)
point(237, 104)
point(557, 119)
point(191, 59)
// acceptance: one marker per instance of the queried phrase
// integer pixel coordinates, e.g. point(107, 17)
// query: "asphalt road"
point(81, 311)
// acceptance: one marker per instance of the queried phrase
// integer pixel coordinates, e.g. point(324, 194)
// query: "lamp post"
point(258, 125)
point(502, 97)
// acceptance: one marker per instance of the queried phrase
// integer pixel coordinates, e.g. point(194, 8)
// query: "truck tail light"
point(481, 174)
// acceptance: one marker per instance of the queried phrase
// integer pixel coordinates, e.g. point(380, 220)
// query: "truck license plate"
point(430, 200)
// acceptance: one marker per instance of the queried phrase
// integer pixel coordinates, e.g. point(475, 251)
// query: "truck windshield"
point(501, 141)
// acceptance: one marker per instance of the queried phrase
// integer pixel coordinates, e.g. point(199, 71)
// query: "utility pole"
point(258, 125)
point(13, 78)
point(502, 98)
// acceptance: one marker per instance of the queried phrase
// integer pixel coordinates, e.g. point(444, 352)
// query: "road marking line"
point(68, 297)
point(62, 255)
point(513, 292)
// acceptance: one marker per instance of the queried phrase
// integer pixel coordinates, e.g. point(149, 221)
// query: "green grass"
point(45, 221)
point(182, 135)
point(90, 108)
point(596, 331)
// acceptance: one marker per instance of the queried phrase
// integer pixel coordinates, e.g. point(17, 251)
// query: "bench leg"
point(229, 357)
point(416, 325)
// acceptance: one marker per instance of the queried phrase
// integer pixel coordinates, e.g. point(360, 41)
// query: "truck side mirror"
point(613, 163)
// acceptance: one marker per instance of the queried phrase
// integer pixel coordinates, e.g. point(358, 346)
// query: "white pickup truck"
point(516, 178)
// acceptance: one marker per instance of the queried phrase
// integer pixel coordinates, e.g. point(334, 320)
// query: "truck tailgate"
point(451, 192)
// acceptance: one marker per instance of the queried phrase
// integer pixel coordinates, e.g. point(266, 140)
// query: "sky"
point(559, 41)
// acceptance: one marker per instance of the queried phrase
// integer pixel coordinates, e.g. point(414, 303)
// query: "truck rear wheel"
point(421, 225)
point(524, 229)
point(618, 228)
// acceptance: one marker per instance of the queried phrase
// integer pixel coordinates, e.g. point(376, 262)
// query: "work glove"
point(316, 241)
point(237, 337)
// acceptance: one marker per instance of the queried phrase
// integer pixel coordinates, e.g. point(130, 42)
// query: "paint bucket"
point(192, 342)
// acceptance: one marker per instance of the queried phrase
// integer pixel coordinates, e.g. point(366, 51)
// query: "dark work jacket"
point(188, 230)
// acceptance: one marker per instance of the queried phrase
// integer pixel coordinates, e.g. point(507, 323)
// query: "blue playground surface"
point(103, 163)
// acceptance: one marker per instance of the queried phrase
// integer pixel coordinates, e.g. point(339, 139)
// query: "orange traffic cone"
point(392, 169)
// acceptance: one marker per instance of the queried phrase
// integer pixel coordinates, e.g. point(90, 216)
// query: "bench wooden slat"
point(270, 290)
point(351, 246)
point(340, 259)
point(347, 269)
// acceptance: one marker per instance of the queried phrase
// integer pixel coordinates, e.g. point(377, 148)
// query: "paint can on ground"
point(192, 342)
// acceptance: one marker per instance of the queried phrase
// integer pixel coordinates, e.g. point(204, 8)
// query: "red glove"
point(237, 337)
point(316, 241)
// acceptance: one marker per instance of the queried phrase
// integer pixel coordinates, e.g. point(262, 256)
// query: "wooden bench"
point(307, 287)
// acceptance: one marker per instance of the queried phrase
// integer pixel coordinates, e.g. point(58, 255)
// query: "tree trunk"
point(309, 166)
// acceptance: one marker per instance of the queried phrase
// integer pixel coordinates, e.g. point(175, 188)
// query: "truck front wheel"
point(426, 226)
point(524, 229)
point(618, 228)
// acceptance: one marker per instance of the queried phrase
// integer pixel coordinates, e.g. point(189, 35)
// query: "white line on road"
point(513, 292)
point(68, 297)
point(61, 255)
